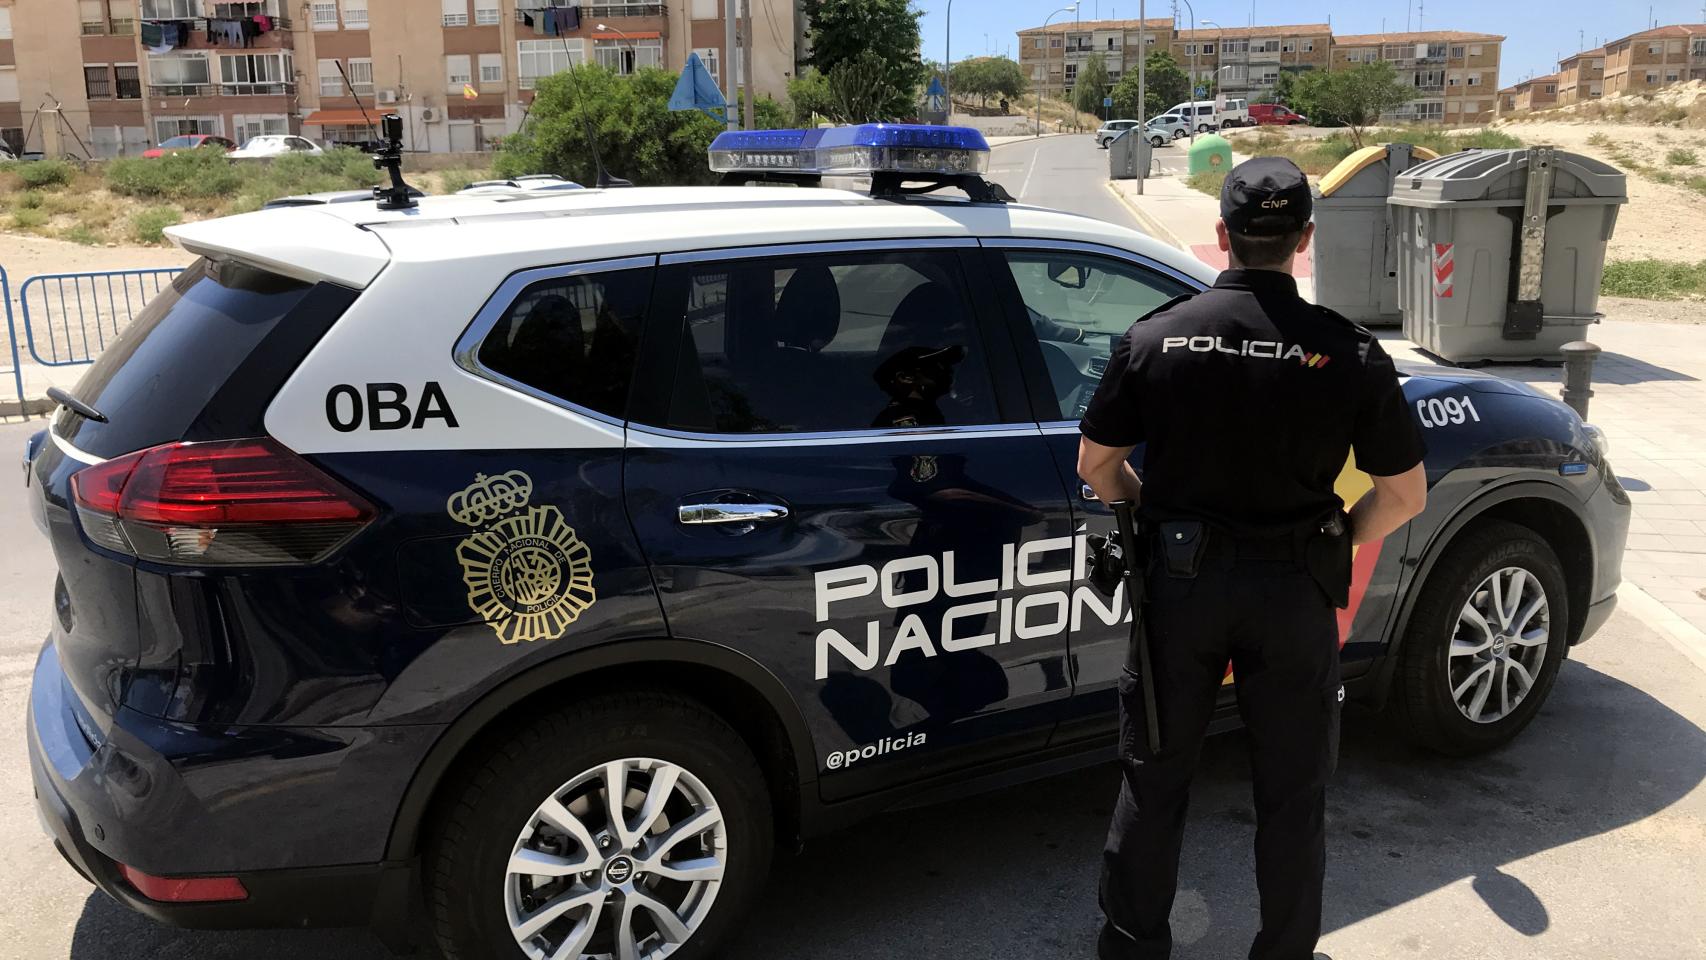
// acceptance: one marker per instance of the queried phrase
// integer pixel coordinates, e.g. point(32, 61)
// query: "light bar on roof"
point(860, 150)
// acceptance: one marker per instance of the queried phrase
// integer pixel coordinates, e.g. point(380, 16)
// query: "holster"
point(1327, 557)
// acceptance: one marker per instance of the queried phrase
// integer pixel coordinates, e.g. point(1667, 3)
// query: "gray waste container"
point(1500, 252)
point(1128, 155)
point(1354, 258)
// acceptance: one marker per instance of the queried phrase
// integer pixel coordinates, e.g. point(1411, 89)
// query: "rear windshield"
point(156, 378)
point(181, 142)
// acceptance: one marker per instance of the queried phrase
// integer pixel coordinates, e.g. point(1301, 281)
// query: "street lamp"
point(1219, 45)
point(632, 47)
point(1044, 84)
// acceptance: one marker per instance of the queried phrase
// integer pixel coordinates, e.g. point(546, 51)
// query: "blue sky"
point(1536, 33)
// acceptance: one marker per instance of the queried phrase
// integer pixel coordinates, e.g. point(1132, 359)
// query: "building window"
point(169, 9)
point(129, 81)
point(1654, 49)
point(491, 68)
point(1652, 77)
point(256, 74)
point(542, 58)
point(1457, 53)
point(331, 81)
point(247, 128)
point(1474, 49)
point(355, 14)
point(708, 56)
point(97, 82)
point(1288, 46)
point(1235, 46)
point(93, 17)
point(456, 13)
point(1474, 79)
point(1551, 88)
point(165, 128)
point(1309, 46)
point(361, 76)
point(121, 17)
point(1670, 76)
point(1265, 46)
point(1113, 43)
point(1055, 43)
point(621, 56)
point(179, 76)
point(1471, 106)
point(1071, 74)
point(324, 15)
point(486, 12)
point(1699, 47)
point(457, 72)
point(6, 25)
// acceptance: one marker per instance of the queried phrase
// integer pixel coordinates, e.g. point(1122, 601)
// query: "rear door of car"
point(837, 474)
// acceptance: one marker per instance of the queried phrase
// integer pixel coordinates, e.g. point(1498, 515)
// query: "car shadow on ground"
point(1012, 874)
point(1611, 367)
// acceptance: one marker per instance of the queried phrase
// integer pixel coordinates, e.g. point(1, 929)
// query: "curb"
point(1151, 224)
point(35, 407)
point(1684, 636)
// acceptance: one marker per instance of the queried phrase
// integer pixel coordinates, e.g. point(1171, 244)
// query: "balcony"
point(264, 89)
point(599, 11)
point(180, 90)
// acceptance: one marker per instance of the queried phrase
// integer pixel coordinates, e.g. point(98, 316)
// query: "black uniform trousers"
point(1280, 633)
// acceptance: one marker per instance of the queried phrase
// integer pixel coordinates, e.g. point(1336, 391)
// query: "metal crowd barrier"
point(68, 318)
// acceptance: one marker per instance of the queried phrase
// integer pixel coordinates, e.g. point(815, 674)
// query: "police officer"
point(1249, 400)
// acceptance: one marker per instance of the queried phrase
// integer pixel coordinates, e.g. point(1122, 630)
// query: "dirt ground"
point(25, 256)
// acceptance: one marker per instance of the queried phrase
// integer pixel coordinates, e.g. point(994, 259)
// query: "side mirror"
point(1069, 275)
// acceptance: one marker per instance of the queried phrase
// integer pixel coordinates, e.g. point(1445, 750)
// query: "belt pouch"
point(1182, 545)
point(1327, 557)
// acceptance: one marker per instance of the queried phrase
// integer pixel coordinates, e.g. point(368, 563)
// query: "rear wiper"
point(75, 405)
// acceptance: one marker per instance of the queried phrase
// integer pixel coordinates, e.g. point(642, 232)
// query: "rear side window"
point(202, 359)
point(827, 344)
point(573, 338)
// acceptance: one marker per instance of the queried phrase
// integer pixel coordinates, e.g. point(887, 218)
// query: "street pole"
point(1194, 46)
point(730, 54)
point(1142, 88)
point(948, 60)
point(1043, 86)
point(746, 61)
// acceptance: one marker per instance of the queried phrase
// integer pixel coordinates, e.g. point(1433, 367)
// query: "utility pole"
point(746, 60)
point(731, 54)
point(1142, 88)
point(948, 60)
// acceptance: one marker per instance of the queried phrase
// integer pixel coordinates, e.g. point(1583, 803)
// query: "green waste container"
point(1210, 153)
point(1354, 259)
point(1501, 252)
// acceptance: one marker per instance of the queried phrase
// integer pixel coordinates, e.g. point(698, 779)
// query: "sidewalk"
point(1649, 389)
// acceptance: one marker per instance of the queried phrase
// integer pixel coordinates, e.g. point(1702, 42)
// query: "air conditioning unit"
point(387, 96)
point(431, 115)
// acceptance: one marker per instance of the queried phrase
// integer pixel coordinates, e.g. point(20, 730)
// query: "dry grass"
point(1058, 115)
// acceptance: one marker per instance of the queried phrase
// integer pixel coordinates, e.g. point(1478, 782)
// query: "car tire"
point(1202, 128)
point(1179, 134)
point(1440, 674)
point(503, 808)
point(1157, 141)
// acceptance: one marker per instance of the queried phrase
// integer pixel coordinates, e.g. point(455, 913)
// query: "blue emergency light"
point(864, 150)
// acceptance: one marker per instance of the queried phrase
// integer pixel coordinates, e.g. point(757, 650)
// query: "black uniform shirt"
point(1249, 399)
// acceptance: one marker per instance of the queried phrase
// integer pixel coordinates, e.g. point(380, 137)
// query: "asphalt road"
point(1068, 173)
point(1580, 841)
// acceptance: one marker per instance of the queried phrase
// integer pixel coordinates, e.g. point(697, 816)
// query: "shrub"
point(1682, 157)
point(1209, 181)
point(28, 219)
point(147, 226)
point(203, 172)
point(453, 180)
point(83, 235)
point(31, 200)
point(46, 173)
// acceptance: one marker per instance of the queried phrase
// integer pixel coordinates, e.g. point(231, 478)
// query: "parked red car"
point(1271, 114)
point(189, 141)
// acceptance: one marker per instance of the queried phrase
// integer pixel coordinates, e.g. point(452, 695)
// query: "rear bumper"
point(75, 781)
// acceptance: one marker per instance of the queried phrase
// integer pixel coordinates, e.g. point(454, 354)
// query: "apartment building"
point(1247, 61)
point(1052, 56)
point(1536, 93)
point(109, 77)
point(1456, 74)
point(1581, 77)
point(1655, 58)
point(1504, 102)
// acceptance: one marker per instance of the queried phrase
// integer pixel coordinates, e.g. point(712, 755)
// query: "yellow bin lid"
point(1360, 160)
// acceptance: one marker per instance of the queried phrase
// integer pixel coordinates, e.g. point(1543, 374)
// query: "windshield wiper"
point(75, 405)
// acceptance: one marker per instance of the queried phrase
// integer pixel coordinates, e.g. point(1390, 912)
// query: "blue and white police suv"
point(538, 561)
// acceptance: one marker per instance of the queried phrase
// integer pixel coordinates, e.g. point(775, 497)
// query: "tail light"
point(230, 502)
point(184, 889)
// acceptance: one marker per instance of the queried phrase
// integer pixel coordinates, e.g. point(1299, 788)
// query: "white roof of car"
point(349, 243)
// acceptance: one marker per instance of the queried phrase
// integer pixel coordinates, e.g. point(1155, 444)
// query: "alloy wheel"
point(623, 862)
point(1499, 646)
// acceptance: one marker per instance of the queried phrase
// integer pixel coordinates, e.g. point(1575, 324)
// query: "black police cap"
point(1266, 196)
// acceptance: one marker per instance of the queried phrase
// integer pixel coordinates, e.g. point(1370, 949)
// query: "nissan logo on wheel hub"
point(619, 871)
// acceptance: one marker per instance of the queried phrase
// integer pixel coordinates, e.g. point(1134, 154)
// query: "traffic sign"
point(1107, 101)
point(935, 102)
point(1202, 91)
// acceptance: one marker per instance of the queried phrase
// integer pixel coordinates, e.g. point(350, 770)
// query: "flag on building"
point(469, 93)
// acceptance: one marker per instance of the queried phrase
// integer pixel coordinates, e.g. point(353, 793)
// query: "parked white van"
point(1202, 114)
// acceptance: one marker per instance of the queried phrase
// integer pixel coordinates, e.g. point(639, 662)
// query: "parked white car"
point(1113, 128)
point(275, 146)
point(1166, 128)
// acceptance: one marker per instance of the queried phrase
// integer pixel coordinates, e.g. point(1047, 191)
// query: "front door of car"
point(833, 470)
point(1067, 303)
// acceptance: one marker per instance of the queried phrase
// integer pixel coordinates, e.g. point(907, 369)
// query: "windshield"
point(185, 141)
point(261, 142)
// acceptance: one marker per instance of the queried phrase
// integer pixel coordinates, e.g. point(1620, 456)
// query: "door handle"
point(745, 514)
point(1085, 493)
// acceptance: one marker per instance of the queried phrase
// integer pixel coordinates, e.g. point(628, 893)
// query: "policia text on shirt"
point(1247, 400)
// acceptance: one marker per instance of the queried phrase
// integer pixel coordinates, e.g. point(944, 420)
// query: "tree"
point(809, 95)
point(1165, 84)
point(860, 91)
point(1359, 95)
point(985, 77)
point(884, 34)
point(638, 136)
point(1090, 86)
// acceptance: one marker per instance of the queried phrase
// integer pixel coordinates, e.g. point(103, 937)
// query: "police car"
point(538, 562)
